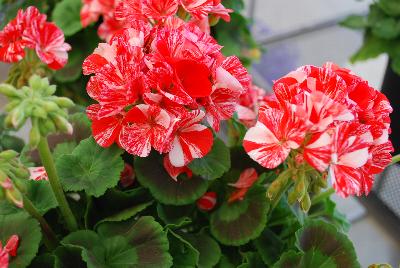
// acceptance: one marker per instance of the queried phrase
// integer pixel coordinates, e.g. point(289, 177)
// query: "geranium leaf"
point(152, 175)
point(64, 148)
point(314, 258)
point(125, 214)
point(238, 223)
point(371, 48)
point(174, 216)
point(66, 15)
point(70, 257)
point(41, 195)
point(29, 233)
point(290, 259)
point(391, 7)
point(46, 261)
point(90, 168)
point(146, 237)
point(209, 250)
point(269, 246)
point(214, 164)
point(251, 260)
point(328, 241)
point(183, 253)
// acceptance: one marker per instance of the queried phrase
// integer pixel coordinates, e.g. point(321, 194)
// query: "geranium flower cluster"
point(30, 30)
point(155, 85)
point(327, 118)
point(119, 14)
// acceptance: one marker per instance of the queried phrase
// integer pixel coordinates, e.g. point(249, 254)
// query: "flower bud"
point(15, 197)
point(207, 202)
point(277, 185)
point(50, 90)
point(34, 135)
point(46, 127)
point(8, 154)
point(305, 203)
point(17, 117)
point(39, 112)
point(64, 102)
point(35, 82)
point(9, 91)
point(50, 107)
point(62, 124)
point(11, 105)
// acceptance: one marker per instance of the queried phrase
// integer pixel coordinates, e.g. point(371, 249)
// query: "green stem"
point(322, 196)
point(48, 163)
point(49, 237)
point(396, 159)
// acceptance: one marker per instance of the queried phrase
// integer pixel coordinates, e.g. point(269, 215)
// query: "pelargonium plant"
point(180, 160)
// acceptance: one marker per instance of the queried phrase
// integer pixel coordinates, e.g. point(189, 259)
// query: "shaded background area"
point(304, 32)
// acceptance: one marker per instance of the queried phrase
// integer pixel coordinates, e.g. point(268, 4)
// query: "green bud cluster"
point(13, 177)
point(48, 113)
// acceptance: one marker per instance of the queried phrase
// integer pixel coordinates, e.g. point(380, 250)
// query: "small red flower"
point(208, 201)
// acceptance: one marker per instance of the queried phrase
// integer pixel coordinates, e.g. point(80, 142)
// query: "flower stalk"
point(48, 163)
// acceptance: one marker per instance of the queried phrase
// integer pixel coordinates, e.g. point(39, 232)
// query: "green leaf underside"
point(41, 195)
point(142, 244)
point(183, 253)
point(29, 233)
point(323, 237)
point(209, 250)
point(90, 168)
point(214, 164)
point(152, 175)
point(175, 216)
point(236, 224)
point(269, 246)
point(66, 15)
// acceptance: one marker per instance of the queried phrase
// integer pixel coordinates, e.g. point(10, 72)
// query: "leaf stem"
point(320, 197)
point(396, 159)
point(48, 163)
point(49, 237)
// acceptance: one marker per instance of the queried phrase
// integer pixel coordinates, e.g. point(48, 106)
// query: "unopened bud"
point(34, 136)
point(276, 186)
point(14, 196)
point(50, 107)
point(62, 124)
point(47, 127)
point(305, 203)
point(64, 102)
point(50, 90)
point(39, 112)
point(8, 154)
point(9, 91)
point(35, 82)
point(11, 105)
point(17, 117)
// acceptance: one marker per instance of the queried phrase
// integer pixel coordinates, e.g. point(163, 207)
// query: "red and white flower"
point(31, 30)
point(276, 133)
point(246, 179)
point(38, 174)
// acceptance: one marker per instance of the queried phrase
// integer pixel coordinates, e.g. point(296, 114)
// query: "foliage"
point(381, 32)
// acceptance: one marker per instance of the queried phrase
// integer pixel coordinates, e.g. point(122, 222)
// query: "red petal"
point(246, 178)
point(208, 201)
point(12, 245)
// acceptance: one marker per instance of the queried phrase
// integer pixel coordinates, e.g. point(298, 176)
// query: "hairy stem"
point(49, 237)
point(48, 163)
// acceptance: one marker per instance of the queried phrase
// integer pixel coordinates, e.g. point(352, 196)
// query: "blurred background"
point(295, 33)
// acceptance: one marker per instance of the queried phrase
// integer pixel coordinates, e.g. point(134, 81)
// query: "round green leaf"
point(152, 175)
point(214, 164)
point(238, 223)
point(209, 250)
point(325, 240)
point(90, 168)
point(29, 233)
point(146, 237)
point(66, 15)
point(387, 28)
point(41, 195)
point(269, 246)
point(183, 253)
point(391, 7)
point(175, 216)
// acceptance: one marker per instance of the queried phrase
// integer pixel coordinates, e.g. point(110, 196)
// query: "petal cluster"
point(155, 88)
point(329, 118)
point(30, 30)
point(117, 14)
